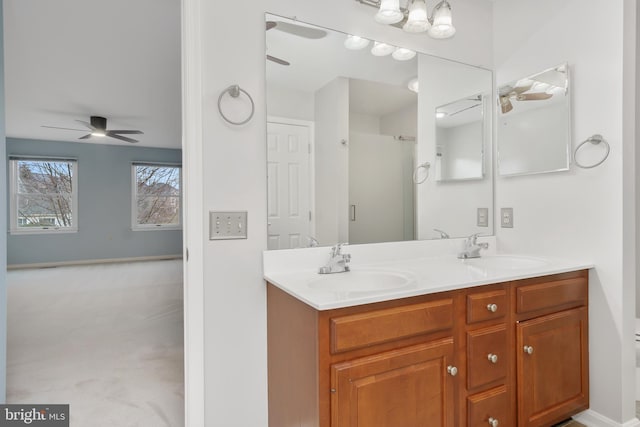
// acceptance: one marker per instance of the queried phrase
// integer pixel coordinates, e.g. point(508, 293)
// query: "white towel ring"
point(234, 91)
point(426, 166)
point(595, 139)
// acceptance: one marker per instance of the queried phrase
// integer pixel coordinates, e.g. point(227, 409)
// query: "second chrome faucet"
point(338, 262)
point(472, 247)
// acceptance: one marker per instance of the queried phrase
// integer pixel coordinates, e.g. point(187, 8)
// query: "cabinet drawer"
point(570, 292)
point(486, 356)
point(486, 306)
point(379, 326)
point(492, 404)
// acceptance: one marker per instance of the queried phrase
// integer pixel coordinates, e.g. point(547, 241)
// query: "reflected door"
point(289, 189)
point(381, 194)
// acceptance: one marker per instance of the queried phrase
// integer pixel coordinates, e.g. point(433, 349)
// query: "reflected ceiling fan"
point(518, 93)
point(296, 30)
point(97, 127)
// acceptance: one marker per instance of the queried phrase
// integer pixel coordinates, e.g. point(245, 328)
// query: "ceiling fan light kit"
point(414, 17)
point(97, 126)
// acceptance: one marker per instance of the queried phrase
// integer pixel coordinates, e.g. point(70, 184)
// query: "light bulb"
point(382, 49)
point(355, 42)
point(418, 20)
point(414, 85)
point(440, 114)
point(99, 133)
point(442, 27)
point(389, 12)
point(403, 54)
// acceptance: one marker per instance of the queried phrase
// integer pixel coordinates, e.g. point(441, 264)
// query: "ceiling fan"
point(97, 127)
point(518, 93)
point(296, 30)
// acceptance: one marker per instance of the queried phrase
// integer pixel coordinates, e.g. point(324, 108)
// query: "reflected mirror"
point(460, 139)
point(347, 124)
point(534, 126)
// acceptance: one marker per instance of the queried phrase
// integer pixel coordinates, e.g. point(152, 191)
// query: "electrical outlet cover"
point(483, 217)
point(506, 217)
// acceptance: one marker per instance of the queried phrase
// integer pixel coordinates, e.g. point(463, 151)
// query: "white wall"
point(289, 103)
point(580, 213)
point(461, 149)
point(365, 123)
point(403, 122)
point(332, 162)
point(227, 170)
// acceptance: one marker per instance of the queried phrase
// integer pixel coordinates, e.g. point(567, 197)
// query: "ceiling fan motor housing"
point(98, 122)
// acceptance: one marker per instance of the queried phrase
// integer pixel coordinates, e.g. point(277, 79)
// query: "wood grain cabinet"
point(509, 354)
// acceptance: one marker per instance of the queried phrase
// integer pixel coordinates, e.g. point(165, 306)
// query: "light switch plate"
point(227, 225)
point(483, 217)
point(506, 217)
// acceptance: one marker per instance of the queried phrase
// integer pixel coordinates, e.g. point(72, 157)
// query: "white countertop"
point(414, 276)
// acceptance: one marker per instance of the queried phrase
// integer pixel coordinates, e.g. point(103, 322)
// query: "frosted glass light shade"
point(442, 27)
point(403, 54)
point(389, 12)
point(414, 85)
point(355, 42)
point(382, 49)
point(418, 20)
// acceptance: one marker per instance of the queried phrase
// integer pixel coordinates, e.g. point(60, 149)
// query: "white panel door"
point(288, 180)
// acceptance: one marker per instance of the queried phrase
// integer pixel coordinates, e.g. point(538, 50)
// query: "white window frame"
point(134, 199)
point(13, 197)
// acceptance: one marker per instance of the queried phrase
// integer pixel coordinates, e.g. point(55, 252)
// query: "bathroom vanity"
point(482, 353)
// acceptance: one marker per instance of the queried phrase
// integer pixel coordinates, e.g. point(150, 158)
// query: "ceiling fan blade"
point(505, 104)
point(122, 138)
point(278, 60)
point(533, 96)
point(56, 127)
point(87, 136)
point(87, 124)
point(125, 132)
point(299, 30)
point(521, 89)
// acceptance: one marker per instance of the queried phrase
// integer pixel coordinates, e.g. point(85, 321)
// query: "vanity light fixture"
point(403, 54)
point(355, 42)
point(414, 85)
point(413, 18)
point(382, 49)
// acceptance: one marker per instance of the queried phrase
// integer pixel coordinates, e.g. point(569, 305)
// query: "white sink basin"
point(506, 262)
point(361, 281)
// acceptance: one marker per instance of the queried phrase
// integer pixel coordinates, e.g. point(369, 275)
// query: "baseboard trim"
point(594, 419)
point(92, 261)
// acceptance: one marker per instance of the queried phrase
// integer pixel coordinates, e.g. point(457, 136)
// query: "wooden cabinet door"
point(408, 387)
point(553, 367)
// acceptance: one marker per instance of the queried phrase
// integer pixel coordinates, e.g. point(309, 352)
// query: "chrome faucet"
point(338, 262)
point(312, 242)
point(472, 247)
point(443, 234)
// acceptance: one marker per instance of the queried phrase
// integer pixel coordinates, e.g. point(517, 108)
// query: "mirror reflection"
point(459, 139)
point(344, 139)
point(534, 124)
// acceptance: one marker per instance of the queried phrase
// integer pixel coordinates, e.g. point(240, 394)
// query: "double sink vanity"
point(499, 340)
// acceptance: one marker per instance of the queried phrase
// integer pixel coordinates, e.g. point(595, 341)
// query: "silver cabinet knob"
point(492, 307)
point(528, 349)
point(452, 370)
point(493, 358)
point(493, 422)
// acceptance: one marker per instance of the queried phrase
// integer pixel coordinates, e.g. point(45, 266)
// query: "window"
point(44, 196)
point(156, 196)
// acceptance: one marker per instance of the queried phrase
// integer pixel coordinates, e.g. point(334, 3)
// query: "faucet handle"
point(473, 238)
point(337, 249)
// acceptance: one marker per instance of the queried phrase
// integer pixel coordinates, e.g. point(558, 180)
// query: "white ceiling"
point(66, 60)
point(316, 62)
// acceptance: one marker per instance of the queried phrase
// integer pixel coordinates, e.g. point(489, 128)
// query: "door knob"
point(493, 422)
point(492, 307)
point(452, 370)
point(528, 349)
point(493, 358)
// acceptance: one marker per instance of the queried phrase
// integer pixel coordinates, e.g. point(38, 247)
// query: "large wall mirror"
point(534, 124)
point(349, 120)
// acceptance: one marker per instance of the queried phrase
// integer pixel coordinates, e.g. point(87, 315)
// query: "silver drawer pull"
point(493, 422)
point(492, 307)
point(493, 358)
point(452, 370)
point(528, 349)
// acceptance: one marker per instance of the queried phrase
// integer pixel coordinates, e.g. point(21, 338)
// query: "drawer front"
point(565, 293)
point(379, 326)
point(486, 306)
point(486, 356)
point(492, 405)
